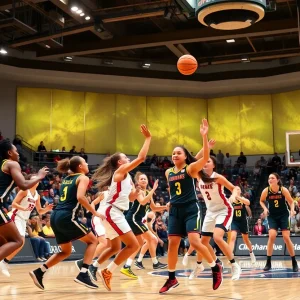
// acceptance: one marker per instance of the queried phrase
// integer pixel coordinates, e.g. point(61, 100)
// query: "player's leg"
point(271, 241)
point(249, 246)
point(233, 235)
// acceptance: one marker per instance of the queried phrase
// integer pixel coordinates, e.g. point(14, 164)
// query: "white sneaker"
point(235, 271)
point(253, 258)
point(4, 268)
point(197, 271)
point(185, 260)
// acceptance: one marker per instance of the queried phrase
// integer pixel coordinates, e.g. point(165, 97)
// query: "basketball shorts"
point(137, 226)
point(115, 223)
point(240, 226)
point(98, 226)
point(220, 219)
point(184, 219)
point(66, 228)
point(282, 222)
point(4, 218)
point(20, 224)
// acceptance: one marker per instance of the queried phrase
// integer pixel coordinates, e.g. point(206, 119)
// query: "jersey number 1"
point(63, 197)
point(178, 191)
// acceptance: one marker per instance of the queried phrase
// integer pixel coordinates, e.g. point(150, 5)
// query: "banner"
point(296, 242)
point(259, 246)
point(26, 254)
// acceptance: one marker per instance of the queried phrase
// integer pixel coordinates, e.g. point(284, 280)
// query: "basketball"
point(187, 64)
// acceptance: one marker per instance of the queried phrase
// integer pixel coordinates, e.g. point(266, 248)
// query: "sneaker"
point(4, 268)
point(236, 271)
point(93, 271)
point(106, 277)
point(79, 264)
point(37, 277)
point(295, 267)
point(139, 265)
point(268, 266)
point(197, 271)
point(128, 272)
point(159, 265)
point(170, 284)
point(185, 260)
point(84, 279)
point(253, 258)
point(217, 277)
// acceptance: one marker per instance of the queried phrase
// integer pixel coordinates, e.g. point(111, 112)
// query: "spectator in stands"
point(220, 161)
point(292, 189)
point(18, 144)
point(292, 174)
point(1, 136)
point(83, 155)
point(162, 234)
point(41, 147)
point(73, 150)
point(48, 196)
point(63, 149)
point(154, 159)
point(47, 230)
point(154, 167)
point(276, 161)
point(242, 160)
point(264, 221)
point(211, 153)
point(166, 163)
point(227, 161)
point(259, 228)
point(148, 161)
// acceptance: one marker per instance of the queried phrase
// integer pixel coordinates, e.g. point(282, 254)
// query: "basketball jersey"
point(214, 196)
point(182, 186)
point(277, 203)
point(68, 191)
point(29, 201)
point(7, 184)
point(137, 210)
point(240, 212)
point(103, 201)
point(119, 193)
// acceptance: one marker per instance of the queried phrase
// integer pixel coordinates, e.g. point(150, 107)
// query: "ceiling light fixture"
point(47, 46)
point(3, 51)
point(82, 14)
point(79, 11)
point(146, 65)
point(87, 18)
point(230, 41)
point(74, 8)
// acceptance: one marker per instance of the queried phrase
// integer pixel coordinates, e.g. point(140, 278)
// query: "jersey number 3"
point(63, 197)
point(178, 191)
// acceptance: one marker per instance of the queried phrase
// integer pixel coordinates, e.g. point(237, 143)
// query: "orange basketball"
point(187, 64)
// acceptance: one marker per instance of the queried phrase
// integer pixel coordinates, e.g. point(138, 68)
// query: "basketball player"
point(10, 176)
point(218, 216)
point(23, 205)
point(115, 171)
point(240, 223)
point(278, 216)
point(184, 215)
point(65, 223)
point(135, 217)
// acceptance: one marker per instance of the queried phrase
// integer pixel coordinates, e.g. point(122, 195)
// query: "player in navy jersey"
point(240, 223)
point(65, 223)
point(11, 176)
point(278, 215)
point(184, 214)
point(135, 217)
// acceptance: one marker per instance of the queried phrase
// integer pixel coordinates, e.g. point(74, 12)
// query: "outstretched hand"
point(211, 143)
point(204, 127)
point(145, 131)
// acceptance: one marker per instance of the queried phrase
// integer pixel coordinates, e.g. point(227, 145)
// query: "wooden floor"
point(281, 284)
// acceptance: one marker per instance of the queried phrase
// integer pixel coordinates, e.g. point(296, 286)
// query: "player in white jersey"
point(218, 216)
point(115, 171)
point(23, 205)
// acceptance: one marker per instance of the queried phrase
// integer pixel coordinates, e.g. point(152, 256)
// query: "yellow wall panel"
point(191, 111)
point(33, 115)
point(67, 120)
point(100, 123)
point(286, 117)
point(256, 124)
point(224, 121)
point(130, 114)
point(163, 124)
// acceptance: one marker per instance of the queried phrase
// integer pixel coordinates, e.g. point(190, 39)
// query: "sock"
point(232, 261)
point(129, 262)
point(293, 259)
point(44, 268)
point(212, 264)
point(6, 260)
point(172, 274)
point(96, 264)
point(199, 262)
point(84, 268)
point(154, 260)
point(187, 254)
point(140, 258)
point(269, 259)
point(218, 261)
point(111, 267)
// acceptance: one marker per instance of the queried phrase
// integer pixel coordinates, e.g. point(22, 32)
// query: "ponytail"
point(64, 165)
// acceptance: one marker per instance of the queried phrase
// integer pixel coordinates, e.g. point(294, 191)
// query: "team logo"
point(247, 273)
